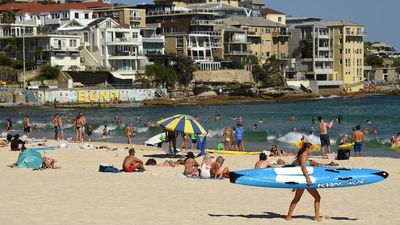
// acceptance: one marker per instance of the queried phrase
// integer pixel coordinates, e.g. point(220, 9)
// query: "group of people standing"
point(234, 139)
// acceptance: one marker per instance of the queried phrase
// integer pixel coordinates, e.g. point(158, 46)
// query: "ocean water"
point(271, 118)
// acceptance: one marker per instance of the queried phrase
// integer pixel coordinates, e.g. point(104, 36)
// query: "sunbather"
point(216, 169)
point(191, 165)
point(132, 163)
point(263, 163)
point(205, 169)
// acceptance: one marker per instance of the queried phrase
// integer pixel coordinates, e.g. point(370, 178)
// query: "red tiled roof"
point(37, 7)
point(271, 11)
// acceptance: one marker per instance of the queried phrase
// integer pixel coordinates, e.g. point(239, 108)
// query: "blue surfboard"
point(43, 148)
point(321, 177)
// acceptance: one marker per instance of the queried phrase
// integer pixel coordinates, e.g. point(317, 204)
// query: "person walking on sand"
point(8, 125)
point(129, 132)
point(233, 139)
point(358, 139)
point(89, 130)
point(79, 123)
point(303, 162)
point(324, 137)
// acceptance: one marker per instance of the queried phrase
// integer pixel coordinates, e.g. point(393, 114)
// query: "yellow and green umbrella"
point(183, 123)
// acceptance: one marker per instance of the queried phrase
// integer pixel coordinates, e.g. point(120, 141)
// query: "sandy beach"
point(78, 194)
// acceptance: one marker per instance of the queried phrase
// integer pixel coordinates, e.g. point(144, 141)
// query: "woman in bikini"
point(78, 123)
point(303, 161)
point(227, 135)
point(216, 169)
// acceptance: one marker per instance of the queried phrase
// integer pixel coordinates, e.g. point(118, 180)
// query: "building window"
point(134, 35)
point(279, 19)
point(72, 43)
point(179, 42)
point(77, 15)
point(86, 15)
point(268, 54)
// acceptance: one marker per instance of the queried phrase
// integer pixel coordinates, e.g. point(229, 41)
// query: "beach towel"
point(108, 169)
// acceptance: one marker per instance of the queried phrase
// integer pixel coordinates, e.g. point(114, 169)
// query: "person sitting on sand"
point(49, 163)
point(205, 169)
point(263, 163)
point(275, 151)
point(17, 144)
point(191, 165)
point(3, 143)
point(216, 169)
point(132, 163)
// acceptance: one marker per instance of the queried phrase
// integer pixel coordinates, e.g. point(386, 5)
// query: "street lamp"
point(23, 51)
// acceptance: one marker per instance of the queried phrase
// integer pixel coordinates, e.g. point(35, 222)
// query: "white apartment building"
point(105, 43)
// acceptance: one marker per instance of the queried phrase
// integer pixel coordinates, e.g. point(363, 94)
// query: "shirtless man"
point(27, 126)
point(358, 138)
point(324, 137)
point(263, 163)
point(131, 162)
point(191, 165)
point(129, 132)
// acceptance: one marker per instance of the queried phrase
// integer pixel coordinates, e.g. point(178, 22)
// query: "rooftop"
point(251, 21)
point(271, 11)
point(38, 7)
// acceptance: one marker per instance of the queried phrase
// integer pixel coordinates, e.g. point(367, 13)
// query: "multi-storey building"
point(274, 15)
point(266, 38)
point(123, 15)
point(328, 51)
point(52, 49)
point(105, 43)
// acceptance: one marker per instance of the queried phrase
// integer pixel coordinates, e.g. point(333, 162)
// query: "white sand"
point(78, 194)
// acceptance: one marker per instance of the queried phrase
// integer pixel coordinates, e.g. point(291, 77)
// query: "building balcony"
point(323, 48)
point(127, 57)
point(52, 21)
point(206, 22)
point(355, 34)
point(236, 53)
point(117, 41)
point(159, 39)
point(282, 34)
point(323, 71)
point(211, 33)
point(135, 18)
point(253, 34)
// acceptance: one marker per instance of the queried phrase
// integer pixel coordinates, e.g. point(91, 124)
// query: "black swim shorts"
point(324, 140)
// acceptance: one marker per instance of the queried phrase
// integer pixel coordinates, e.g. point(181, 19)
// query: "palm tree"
point(8, 16)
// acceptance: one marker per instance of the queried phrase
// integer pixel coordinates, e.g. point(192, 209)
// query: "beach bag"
point(151, 162)
point(343, 154)
point(108, 169)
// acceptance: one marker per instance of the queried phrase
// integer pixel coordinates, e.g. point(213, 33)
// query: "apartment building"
point(122, 14)
point(266, 38)
point(105, 43)
point(335, 52)
point(55, 50)
point(273, 15)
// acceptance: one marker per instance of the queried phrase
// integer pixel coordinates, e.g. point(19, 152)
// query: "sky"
point(380, 17)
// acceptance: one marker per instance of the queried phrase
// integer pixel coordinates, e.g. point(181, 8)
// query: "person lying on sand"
point(216, 169)
point(191, 165)
point(169, 163)
point(132, 163)
point(3, 143)
point(49, 163)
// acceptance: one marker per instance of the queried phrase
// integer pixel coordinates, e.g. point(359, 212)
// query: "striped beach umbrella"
point(183, 123)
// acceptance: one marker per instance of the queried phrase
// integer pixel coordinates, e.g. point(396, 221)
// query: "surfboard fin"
point(382, 174)
point(291, 182)
point(234, 176)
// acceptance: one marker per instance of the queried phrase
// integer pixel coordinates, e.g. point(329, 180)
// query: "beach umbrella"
point(29, 159)
point(183, 123)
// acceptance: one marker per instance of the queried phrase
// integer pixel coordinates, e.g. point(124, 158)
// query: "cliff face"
point(223, 76)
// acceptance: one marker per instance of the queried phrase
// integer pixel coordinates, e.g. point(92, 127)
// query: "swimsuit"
point(324, 138)
point(358, 146)
point(131, 168)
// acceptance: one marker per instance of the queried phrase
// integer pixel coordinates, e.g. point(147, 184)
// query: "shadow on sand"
point(272, 215)
point(163, 156)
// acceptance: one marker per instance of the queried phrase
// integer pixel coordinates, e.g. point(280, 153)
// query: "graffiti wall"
point(86, 96)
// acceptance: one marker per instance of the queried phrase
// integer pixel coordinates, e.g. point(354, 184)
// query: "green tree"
point(161, 74)
point(4, 60)
point(184, 68)
point(8, 16)
point(373, 60)
point(269, 72)
point(304, 50)
point(235, 64)
point(49, 72)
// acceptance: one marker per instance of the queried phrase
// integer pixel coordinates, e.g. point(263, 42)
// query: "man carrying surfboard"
point(324, 137)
